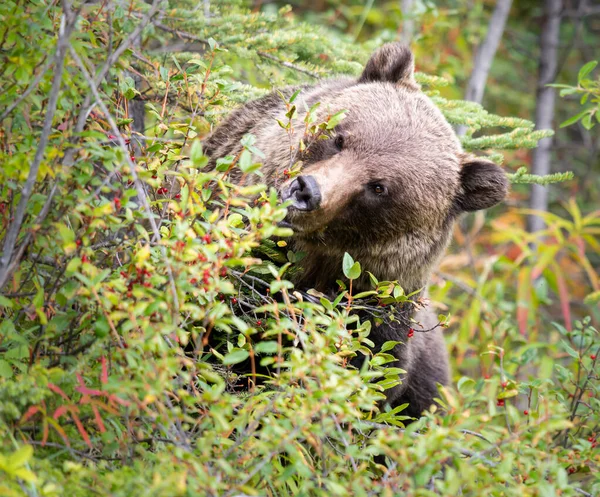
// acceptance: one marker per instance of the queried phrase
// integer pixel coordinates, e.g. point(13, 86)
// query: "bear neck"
point(409, 260)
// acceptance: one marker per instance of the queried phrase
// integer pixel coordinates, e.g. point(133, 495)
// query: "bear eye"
point(378, 189)
point(339, 142)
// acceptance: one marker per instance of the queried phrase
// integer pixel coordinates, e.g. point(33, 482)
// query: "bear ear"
point(484, 184)
point(393, 63)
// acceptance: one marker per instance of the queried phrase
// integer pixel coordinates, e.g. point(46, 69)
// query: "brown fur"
point(393, 135)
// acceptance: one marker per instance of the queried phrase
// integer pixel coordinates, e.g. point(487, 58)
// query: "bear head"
point(388, 184)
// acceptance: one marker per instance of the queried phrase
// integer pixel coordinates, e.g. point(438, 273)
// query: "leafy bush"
point(134, 284)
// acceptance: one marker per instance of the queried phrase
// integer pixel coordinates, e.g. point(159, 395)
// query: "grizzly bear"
point(386, 188)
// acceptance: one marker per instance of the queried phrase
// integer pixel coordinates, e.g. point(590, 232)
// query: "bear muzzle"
point(304, 193)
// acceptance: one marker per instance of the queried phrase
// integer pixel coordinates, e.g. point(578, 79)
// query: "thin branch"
point(32, 86)
point(289, 65)
point(132, 169)
point(112, 59)
point(70, 153)
point(10, 240)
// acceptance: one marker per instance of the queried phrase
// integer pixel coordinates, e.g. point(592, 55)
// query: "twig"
point(289, 65)
point(30, 88)
point(10, 240)
point(132, 169)
point(112, 59)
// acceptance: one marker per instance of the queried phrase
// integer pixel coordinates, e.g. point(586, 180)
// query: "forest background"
point(120, 257)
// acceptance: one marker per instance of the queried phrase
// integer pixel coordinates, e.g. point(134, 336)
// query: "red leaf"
point(60, 411)
point(30, 412)
point(89, 391)
point(104, 375)
point(57, 390)
point(81, 429)
point(99, 421)
point(80, 379)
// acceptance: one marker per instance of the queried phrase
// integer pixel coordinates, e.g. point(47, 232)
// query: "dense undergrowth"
point(129, 263)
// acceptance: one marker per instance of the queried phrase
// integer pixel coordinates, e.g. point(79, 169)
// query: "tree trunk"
point(544, 109)
point(485, 55)
point(408, 23)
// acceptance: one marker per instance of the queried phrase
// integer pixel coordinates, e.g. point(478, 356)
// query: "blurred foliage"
point(124, 320)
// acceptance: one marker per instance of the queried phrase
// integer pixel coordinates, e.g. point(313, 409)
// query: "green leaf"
point(21, 456)
point(336, 119)
point(268, 347)
point(6, 370)
point(465, 384)
point(235, 357)
point(296, 93)
point(586, 69)
point(354, 271)
point(389, 345)
point(245, 161)
point(573, 119)
point(347, 263)
point(196, 154)
point(5, 302)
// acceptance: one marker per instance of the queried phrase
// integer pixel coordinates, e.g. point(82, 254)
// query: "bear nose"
point(304, 193)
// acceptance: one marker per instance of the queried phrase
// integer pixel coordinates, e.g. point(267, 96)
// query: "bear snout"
point(304, 193)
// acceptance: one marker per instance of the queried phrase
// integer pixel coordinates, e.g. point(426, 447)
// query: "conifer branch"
point(522, 177)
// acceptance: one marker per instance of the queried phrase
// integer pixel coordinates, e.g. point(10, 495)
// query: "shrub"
point(134, 283)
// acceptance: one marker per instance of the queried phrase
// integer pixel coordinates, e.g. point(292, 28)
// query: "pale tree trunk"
point(485, 55)
point(408, 24)
point(544, 108)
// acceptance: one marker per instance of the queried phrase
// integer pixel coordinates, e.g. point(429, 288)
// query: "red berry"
point(132, 157)
point(258, 322)
point(206, 277)
point(193, 281)
point(84, 258)
point(154, 176)
point(234, 300)
point(593, 357)
point(117, 202)
point(504, 384)
point(500, 403)
point(123, 274)
point(526, 412)
point(486, 376)
point(202, 258)
point(411, 333)
point(178, 196)
point(206, 238)
point(78, 243)
point(571, 470)
point(223, 271)
point(590, 439)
